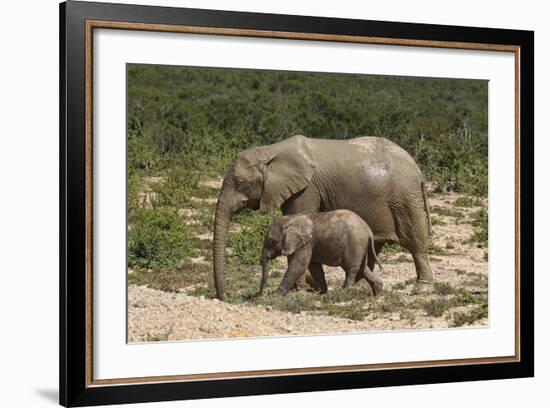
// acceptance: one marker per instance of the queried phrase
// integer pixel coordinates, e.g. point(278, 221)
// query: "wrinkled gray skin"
point(370, 176)
point(334, 238)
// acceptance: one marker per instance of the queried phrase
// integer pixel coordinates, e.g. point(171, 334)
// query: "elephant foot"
point(311, 283)
point(423, 288)
point(282, 291)
point(377, 287)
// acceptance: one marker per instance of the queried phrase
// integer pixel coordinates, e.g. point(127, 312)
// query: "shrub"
point(134, 183)
point(208, 114)
point(294, 302)
point(436, 307)
point(352, 311)
point(481, 225)
point(444, 288)
point(454, 164)
point(176, 189)
point(407, 315)
point(248, 242)
point(158, 237)
point(141, 150)
point(391, 302)
point(467, 202)
point(480, 312)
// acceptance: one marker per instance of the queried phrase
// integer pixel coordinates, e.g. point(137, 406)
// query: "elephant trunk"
point(265, 273)
point(221, 225)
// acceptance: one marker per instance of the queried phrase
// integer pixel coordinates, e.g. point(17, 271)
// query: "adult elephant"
point(371, 176)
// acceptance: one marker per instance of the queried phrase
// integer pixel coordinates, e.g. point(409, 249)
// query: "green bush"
point(134, 185)
point(141, 150)
point(391, 302)
point(248, 242)
point(176, 189)
point(436, 307)
point(206, 115)
point(353, 310)
point(454, 165)
point(478, 313)
point(157, 237)
point(481, 225)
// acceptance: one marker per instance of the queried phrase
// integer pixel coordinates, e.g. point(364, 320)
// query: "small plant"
point(480, 221)
point(174, 279)
point(352, 311)
point(443, 288)
point(339, 295)
point(294, 302)
point(393, 248)
point(465, 201)
point(435, 249)
point(477, 281)
point(398, 286)
point(480, 312)
point(392, 302)
point(407, 315)
point(162, 336)
point(436, 307)
point(463, 298)
point(158, 237)
point(447, 212)
point(388, 251)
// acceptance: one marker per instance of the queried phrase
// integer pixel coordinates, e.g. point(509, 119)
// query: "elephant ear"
point(297, 233)
point(288, 170)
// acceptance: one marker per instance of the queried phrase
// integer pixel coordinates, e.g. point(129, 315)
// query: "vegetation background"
point(198, 118)
point(185, 124)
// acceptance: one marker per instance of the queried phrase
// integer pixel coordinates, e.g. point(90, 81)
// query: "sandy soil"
point(154, 315)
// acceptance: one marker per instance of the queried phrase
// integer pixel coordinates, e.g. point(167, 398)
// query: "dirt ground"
point(460, 268)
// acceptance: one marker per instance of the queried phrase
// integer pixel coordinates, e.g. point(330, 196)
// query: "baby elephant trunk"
point(265, 274)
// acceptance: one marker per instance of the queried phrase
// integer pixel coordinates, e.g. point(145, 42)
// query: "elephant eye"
point(240, 184)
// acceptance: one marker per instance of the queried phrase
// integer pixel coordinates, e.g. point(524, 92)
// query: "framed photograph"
point(257, 204)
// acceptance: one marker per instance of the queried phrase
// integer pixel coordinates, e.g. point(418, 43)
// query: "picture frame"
point(79, 21)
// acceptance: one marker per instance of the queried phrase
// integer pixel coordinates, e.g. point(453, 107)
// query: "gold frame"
point(99, 24)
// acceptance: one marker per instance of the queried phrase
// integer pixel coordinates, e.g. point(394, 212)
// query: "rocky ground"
point(182, 311)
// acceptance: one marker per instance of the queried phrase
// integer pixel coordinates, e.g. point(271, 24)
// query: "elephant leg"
point(374, 281)
point(412, 231)
point(297, 265)
point(351, 275)
point(304, 202)
point(318, 274)
point(424, 275)
point(371, 261)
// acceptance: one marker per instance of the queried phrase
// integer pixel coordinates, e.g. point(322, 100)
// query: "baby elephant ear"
point(297, 233)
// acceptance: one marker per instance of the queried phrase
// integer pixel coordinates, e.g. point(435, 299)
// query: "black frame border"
point(72, 175)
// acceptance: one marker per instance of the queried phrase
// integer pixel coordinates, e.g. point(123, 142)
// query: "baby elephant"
point(334, 238)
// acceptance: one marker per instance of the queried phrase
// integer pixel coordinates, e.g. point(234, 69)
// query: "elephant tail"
point(374, 253)
point(426, 207)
